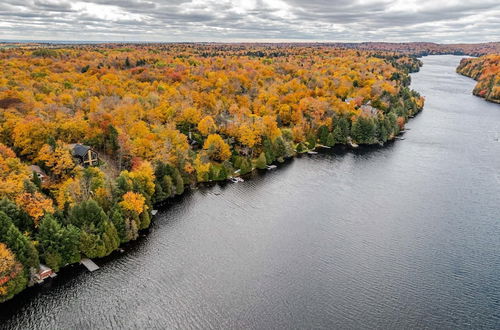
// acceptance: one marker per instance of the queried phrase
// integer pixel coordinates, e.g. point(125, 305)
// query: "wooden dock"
point(91, 266)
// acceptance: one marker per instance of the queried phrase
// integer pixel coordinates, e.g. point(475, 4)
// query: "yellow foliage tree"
point(35, 204)
point(271, 129)
point(69, 192)
point(202, 169)
point(248, 136)
point(216, 148)
point(133, 202)
point(207, 126)
point(30, 134)
point(12, 173)
point(58, 160)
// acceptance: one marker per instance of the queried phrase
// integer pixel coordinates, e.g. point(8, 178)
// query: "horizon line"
point(271, 41)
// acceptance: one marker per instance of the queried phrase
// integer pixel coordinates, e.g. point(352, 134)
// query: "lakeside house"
point(84, 155)
point(35, 169)
point(44, 273)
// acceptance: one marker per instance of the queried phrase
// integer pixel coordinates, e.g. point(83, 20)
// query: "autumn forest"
point(163, 117)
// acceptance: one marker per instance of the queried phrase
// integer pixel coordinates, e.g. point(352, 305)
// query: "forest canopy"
point(486, 70)
point(161, 117)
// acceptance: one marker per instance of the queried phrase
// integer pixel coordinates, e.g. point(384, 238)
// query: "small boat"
point(271, 167)
point(312, 152)
point(353, 145)
point(236, 179)
point(153, 212)
point(399, 138)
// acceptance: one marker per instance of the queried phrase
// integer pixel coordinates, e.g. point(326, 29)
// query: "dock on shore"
point(91, 266)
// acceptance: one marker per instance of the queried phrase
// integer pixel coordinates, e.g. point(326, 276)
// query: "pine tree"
point(19, 244)
point(119, 222)
point(330, 140)
point(260, 163)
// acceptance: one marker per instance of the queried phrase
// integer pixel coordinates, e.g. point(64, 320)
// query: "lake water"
point(405, 236)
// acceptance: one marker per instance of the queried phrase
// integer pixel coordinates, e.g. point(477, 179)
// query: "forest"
point(486, 71)
point(427, 48)
point(162, 118)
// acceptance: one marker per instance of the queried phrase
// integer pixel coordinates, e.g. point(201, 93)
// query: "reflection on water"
point(405, 236)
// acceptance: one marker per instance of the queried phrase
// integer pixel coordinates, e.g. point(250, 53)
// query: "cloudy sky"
point(251, 20)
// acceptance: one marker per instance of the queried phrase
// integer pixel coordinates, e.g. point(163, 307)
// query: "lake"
point(404, 236)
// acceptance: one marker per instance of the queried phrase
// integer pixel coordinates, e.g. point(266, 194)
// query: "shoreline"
point(68, 272)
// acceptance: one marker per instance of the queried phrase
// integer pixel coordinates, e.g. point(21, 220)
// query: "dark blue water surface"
point(405, 236)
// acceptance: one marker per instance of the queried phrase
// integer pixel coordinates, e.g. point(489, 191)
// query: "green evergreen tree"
point(19, 218)
point(168, 186)
point(270, 156)
point(119, 222)
point(341, 130)
point(86, 214)
point(110, 237)
point(19, 244)
point(246, 165)
point(91, 245)
point(280, 148)
point(261, 163)
point(364, 130)
point(311, 141)
point(49, 236)
point(323, 134)
point(300, 147)
point(71, 245)
point(145, 220)
point(91, 219)
point(383, 133)
point(330, 140)
point(179, 183)
point(57, 244)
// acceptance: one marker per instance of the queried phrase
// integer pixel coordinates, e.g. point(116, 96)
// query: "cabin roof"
point(79, 149)
point(44, 268)
point(37, 169)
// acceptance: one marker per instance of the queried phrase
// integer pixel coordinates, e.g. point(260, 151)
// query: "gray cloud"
point(251, 20)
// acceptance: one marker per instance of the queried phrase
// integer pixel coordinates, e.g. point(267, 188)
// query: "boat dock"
point(91, 266)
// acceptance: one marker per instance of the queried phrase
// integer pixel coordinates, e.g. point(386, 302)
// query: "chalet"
point(84, 155)
point(44, 273)
point(35, 169)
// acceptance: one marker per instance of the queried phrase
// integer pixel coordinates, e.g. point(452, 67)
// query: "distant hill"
point(407, 48)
